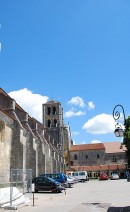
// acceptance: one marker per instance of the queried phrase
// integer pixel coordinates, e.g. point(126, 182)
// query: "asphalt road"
point(91, 196)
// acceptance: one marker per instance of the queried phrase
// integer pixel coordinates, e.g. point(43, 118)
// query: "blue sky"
point(76, 52)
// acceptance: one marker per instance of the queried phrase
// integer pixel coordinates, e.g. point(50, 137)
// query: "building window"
point(75, 157)
point(54, 110)
point(49, 123)
point(86, 156)
point(71, 163)
point(114, 158)
point(48, 111)
point(90, 174)
point(98, 156)
point(55, 123)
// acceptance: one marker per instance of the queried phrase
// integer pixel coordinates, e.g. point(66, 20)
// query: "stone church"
point(47, 147)
point(25, 143)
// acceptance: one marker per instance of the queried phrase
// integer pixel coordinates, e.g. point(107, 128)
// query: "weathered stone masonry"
point(24, 142)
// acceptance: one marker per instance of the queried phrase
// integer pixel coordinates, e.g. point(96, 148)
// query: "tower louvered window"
point(54, 110)
point(55, 123)
point(49, 123)
point(48, 111)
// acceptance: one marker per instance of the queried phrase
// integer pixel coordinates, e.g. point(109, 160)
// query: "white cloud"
point(30, 102)
point(91, 105)
point(77, 101)
point(72, 113)
point(79, 113)
point(96, 141)
point(100, 124)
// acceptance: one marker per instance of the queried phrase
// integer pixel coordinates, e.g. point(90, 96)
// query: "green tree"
point(126, 138)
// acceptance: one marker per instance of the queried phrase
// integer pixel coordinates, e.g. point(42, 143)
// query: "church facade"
point(25, 143)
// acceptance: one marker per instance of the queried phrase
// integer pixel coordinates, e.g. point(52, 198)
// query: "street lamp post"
point(116, 115)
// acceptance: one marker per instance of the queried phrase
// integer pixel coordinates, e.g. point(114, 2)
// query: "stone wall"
point(93, 157)
point(87, 157)
point(6, 131)
point(23, 143)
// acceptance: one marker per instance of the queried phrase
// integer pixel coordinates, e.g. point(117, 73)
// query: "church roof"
point(109, 147)
point(83, 147)
point(114, 147)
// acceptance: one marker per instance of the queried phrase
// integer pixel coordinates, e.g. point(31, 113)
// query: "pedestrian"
point(127, 175)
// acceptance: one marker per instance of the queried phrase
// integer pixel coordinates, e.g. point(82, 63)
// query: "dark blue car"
point(44, 183)
point(60, 177)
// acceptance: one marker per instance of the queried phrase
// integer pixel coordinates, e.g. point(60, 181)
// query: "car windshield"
point(52, 180)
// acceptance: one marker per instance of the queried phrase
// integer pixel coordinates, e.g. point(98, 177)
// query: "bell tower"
point(53, 121)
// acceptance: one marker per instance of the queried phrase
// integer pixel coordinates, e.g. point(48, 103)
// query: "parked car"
point(43, 183)
point(82, 176)
point(103, 176)
point(70, 181)
point(114, 176)
point(60, 177)
point(74, 178)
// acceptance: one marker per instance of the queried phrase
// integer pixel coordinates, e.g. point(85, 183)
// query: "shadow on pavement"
point(119, 209)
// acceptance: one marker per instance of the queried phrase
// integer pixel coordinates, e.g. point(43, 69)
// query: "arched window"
point(90, 174)
point(49, 123)
point(48, 111)
point(54, 110)
point(55, 123)
point(75, 157)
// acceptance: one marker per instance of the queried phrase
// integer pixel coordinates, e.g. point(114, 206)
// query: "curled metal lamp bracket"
point(117, 114)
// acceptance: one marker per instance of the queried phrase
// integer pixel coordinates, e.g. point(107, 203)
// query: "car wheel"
point(58, 191)
point(69, 185)
point(55, 191)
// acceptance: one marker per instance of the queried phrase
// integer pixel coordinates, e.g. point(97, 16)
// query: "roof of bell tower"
point(53, 102)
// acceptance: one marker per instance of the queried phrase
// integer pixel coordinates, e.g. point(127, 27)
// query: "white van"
point(82, 176)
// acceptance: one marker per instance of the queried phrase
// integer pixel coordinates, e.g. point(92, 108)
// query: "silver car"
point(114, 176)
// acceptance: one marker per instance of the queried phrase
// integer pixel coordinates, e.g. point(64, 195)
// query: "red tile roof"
point(109, 147)
point(121, 166)
point(83, 147)
point(111, 167)
point(114, 147)
point(95, 168)
point(104, 167)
